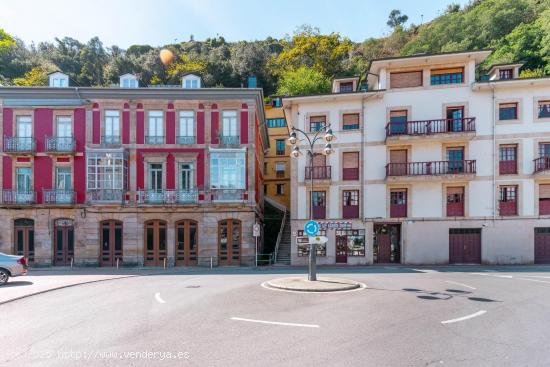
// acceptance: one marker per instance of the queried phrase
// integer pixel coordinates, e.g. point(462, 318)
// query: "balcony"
point(185, 140)
point(350, 211)
point(170, 197)
point(105, 195)
point(319, 212)
point(280, 174)
point(507, 167)
point(318, 172)
point(16, 197)
point(59, 197)
point(423, 128)
point(435, 168)
point(455, 209)
point(398, 210)
point(61, 145)
point(542, 164)
point(154, 139)
point(230, 140)
point(350, 174)
point(111, 140)
point(280, 152)
point(228, 195)
point(14, 144)
point(506, 208)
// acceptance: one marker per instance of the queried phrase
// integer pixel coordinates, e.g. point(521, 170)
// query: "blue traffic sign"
point(311, 228)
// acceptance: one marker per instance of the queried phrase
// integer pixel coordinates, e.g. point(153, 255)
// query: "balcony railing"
point(56, 144)
point(434, 168)
point(544, 207)
point(230, 140)
point(429, 127)
point(398, 210)
point(107, 195)
point(14, 144)
point(455, 209)
point(228, 195)
point(507, 167)
point(107, 140)
point(350, 211)
point(318, 172)
point(350, 173)
point(319, 212)
point(154, 140)
point(542, 164)
point(280, 174)
point(185, 140)
point(17, 197)
point(59, 197)
point(168, 196)
point(280, 152)
point(508, 207)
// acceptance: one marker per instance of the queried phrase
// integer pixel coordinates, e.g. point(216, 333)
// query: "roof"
point(334, 96)
point(510, 65)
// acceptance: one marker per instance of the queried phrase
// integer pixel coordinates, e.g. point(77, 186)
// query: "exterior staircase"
point(283, 251)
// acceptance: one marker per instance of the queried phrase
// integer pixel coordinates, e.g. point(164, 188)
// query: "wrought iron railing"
point(56, 144)
point(107, 195)
point(15, 144)
point(59, 196)
point(228, 195)
point(431, 168)
point(154, 140)
point(319, 172)
point(428, 127)
point(185, 140)
point(18, 197)
point(111, 140)
point(542, 164)
point(168, 196)
point(230, 140)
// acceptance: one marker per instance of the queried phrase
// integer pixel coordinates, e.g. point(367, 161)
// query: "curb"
point(351, 286)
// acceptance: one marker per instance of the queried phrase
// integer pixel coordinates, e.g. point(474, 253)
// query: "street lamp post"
point(293, 139)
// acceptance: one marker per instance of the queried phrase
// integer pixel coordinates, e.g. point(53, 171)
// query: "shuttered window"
point(351, 160)
point(316, 122)
point(406, 79)
point(398, 156)
point(544, 109)
point(447, 76)
point(350, 121)
point(544, 191)
point(508, 111)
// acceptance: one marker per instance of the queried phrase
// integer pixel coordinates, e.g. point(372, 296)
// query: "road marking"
point(460, 284)
point(478, 313)
point(504, 276)
point(425, 270)
point(536, 276)
point(535, 280)
point(275, 322)
point(157, 297)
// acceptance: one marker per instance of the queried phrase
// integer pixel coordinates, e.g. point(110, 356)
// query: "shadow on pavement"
point(17, 283)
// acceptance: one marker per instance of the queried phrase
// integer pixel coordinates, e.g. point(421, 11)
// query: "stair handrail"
point(279, 236)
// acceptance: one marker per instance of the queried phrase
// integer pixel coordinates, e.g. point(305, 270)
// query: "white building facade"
point(432, 165)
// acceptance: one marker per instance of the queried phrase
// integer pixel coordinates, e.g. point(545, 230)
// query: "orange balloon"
point(166, 56)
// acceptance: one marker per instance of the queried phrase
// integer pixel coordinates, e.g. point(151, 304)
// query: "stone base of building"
point(503, 241)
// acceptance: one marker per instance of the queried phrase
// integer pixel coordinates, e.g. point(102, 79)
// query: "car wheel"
point(4, 276)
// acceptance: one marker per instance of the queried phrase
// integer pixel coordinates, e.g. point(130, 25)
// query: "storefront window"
point(355, 239)
point(302, 242)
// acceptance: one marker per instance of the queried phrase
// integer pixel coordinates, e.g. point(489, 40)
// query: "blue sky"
point(127, 22)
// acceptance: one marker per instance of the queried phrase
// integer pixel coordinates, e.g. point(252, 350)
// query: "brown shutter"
point(398, 156)
point(447, 71)
point(544, 191)
point(406, 79)
point(351, 119)
point(508, 105)
point(455, 190)
point(317, 119)
point(319, 160)
point(398, 113)
point(351, 160)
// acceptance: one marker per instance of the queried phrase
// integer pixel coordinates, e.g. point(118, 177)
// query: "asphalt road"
point(427, 317)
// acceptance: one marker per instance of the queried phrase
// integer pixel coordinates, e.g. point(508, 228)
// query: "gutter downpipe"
point(494, 153)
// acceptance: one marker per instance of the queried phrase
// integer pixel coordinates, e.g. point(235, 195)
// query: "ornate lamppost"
point(296, 152)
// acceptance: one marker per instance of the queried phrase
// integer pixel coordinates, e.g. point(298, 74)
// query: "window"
point(64, 127)
point(129, 83)
point(186, 177)
point(186, 134)
point(23, 179)
point(398, 203)
point(508, 200)
point(455, 201)
point(280, 189)
point(355, 239)
point(455, 119)
point(544, 109)
point(280, 147)
point(350, 170)
point(508, 111)
point(398, 122)
point(447, 76)
point(316, 122)
point(544, 199)
point(63, 178)
point(229, 123)
point(350, 121)
point(508, 160)
point(154, 182)
point(155, 128)
point(24, 127)
point(265, 189)
point(455, 158)
point(191, 82)
point(276, 122)
point(506, 74)
point(276, 102)
point(302, 242)
point(350, 205)
point(346, 87)
point(280, 168)
point(544, 150)
point(406, 79)
point(318, 199)
point(112, 127)
point(106, 171)
point(227, 170)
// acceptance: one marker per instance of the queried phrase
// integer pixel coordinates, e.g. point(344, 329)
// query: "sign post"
point(311, 228)
point(256, 232)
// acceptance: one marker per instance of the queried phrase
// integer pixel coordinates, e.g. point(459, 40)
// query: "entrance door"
point(387, 248)
point(25, 192)
point(63, 242)
point(341, 249)
point(229, 250)
point(455, 156)
point(318, 199)
point(455, 117)
point(186, 243)
point(111, 243)
point(24, 238)
point(155, 243)
point(464, 246)
point(155, 183)
point(542, 245)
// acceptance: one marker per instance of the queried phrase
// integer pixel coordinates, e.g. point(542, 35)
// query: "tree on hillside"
point(396, 19)
point(37, 76)
point(303, 81)
point(93, 59)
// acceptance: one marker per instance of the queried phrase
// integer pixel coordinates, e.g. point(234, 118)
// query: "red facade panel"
point(43, 126)
point(170, 173)
point(43, 176)
point(214, 124)
point(200, 124)
point(6, 173)
point(170, 127)
point(80, 179)
point(8, 121)
point(126, 125)
point(80, 129)
point(244, 124)
point(140, 125)
point(96, 125)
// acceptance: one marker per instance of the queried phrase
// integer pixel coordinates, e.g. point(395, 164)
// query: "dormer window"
point(506, 74)
point(191, 81)
point(346, 87)
point(58, 80)
point(128, 81)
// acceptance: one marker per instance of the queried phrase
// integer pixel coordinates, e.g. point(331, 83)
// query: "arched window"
point(155, 251)
point(111, 243)
point(186, 243)
point(24, 238)
point(229, 242)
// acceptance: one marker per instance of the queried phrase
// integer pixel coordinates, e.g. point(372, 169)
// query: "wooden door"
point(341, 249)
point(384, 248)
point(542, 245)
point(186, 243)
point(111, 243)
point(464, 246)
point(229, 240)
point(155, 243)
point(63, 242)
point(24, 238)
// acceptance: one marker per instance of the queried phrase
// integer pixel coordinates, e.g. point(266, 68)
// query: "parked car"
point(11, 266)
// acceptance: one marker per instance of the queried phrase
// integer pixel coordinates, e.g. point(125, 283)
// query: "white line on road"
point(536, 276)
point(275, 322)
point(460, 284)
point(157, 297)
point(425, 270)
point(478, 313)
point(535, 280)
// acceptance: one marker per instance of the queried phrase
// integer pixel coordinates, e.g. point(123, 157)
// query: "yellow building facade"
point(277, 160)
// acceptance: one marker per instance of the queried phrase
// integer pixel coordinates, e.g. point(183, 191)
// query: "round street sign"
point(311, 228)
